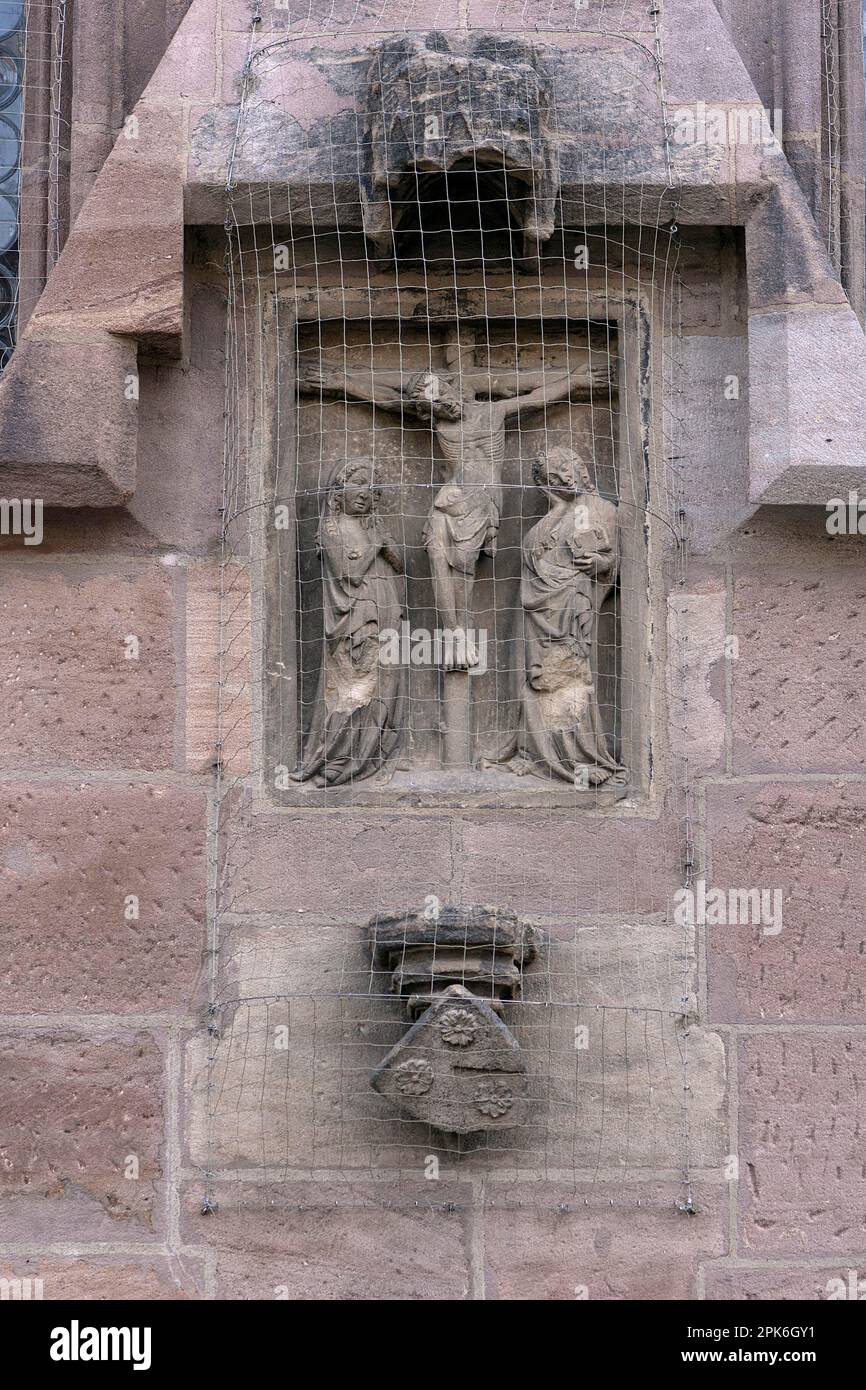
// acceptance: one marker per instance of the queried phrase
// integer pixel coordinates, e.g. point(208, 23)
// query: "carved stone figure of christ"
point(569, 564)
point(464, 518)
point(358, 717)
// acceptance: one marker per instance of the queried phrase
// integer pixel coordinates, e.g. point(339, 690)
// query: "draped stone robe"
point(560, 732)
point(358, 718)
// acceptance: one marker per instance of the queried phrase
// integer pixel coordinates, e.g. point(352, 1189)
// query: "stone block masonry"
point(133, 696)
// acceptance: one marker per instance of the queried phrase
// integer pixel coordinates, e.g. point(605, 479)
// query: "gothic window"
point(11, 118)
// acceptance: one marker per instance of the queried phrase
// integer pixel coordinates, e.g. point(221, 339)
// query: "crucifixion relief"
point(468, 412)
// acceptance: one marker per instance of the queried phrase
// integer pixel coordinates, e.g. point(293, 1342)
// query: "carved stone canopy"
point(431, 109)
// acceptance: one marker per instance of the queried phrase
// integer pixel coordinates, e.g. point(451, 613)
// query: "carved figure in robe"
point(359, 713)
point(568, 567)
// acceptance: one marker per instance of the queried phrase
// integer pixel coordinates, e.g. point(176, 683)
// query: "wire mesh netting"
point(452, 491)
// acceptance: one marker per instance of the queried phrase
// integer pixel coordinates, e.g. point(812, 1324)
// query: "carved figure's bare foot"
point(586, 776)
point(519, 765)
point(460, 653)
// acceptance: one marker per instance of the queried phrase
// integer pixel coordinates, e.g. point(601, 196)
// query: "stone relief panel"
point(457, 626)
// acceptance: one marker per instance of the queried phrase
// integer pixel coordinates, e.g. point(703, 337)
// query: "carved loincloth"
point(462, 524)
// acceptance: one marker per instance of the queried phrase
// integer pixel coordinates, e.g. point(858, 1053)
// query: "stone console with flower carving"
point(458, 1068)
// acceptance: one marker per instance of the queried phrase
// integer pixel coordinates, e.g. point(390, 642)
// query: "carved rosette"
point(493, 1098)
point(458, 1068)
point(458, 1027)
point(413, 1078)
point(429, 107)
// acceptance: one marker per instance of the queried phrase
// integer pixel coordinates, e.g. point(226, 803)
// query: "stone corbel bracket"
point(458, 1068)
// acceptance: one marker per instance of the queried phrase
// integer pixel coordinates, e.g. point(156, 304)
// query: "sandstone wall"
point(108, 790)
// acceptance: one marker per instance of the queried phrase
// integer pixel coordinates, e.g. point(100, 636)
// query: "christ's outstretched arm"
point(383, 389)
point(558, 386)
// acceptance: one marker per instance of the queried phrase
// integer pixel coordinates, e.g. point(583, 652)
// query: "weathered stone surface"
point(113, 65)
point(189, 65)
point(792, 537)
point(122, 266)
point(72, 696)
point(619, 1101)
point(103, 1278)
point(68, 411)
point(356, 1242)
point(789, 265)
point(708, 66)
point(808, 377)
point(754, 30)
point(73, 853)
point(605, 1083)
point(480, 947)
point(565, 21)
point(629, 865)
point(205, 636)
point(781, 1283)
point(696, 674)
point(801, 1152)
point(51, 447)
point(181, 418)
point(783, 52)
point(798, 681)
point(644, 965)
point(39, 1220)
point(75, 1111)
point(806, 840)
point(84, 531)
point(600, 84)
point(325, 864)
point(716, 436)
point(621, 1251)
